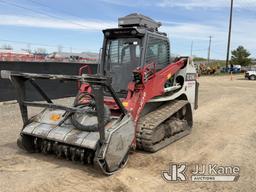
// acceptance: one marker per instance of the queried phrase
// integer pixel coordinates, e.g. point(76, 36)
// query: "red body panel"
point(152, 85)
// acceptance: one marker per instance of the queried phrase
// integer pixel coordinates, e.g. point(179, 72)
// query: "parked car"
point(234, 69)
point(251, 75)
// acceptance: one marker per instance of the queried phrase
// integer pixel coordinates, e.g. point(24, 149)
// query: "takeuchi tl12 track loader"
point(138, 99)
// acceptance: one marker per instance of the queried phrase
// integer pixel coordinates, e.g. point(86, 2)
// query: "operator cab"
point(135, 43)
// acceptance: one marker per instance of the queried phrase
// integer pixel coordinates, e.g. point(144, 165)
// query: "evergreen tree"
point(240, 56)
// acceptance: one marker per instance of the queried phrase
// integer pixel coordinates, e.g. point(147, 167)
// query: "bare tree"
point(40, 51)
point(7, 47)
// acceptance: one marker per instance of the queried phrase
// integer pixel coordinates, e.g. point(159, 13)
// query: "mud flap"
point(196, 95)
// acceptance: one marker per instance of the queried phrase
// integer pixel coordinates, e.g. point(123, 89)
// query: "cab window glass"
point(157, 52)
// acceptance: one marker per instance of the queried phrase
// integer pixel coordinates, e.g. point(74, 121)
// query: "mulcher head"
point(85, 132)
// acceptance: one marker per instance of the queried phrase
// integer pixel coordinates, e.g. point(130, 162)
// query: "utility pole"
point(209, 49)
point(60, 47)
point(229, 33)
point(29, 47)
point(191, 49)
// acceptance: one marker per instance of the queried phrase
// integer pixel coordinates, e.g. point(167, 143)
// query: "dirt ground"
point(224, 132)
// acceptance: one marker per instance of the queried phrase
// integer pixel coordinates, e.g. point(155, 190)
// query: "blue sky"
point(77, 24)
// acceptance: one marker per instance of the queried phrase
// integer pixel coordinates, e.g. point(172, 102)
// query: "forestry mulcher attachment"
point(138, 99)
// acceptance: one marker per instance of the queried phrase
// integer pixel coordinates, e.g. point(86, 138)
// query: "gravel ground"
point(224, 133)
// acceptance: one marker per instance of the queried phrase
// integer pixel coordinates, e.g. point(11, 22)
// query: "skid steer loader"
point(138, 99)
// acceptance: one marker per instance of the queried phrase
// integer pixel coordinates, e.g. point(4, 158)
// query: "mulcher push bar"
point(97, 82)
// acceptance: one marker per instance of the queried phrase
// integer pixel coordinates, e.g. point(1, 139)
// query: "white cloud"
point(243, 29)
point(176, 29)
point(44, 22)
point(129, 3)
point(192, 31)
point(189, 4)
point(249, 4)
point(243, 33)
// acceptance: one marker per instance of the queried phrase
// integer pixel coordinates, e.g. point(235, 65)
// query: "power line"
point(199, 50)
point(46, 6)
point(42, 13)
point(217, 52)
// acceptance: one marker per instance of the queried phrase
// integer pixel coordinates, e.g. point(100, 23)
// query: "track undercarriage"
point(163, 126)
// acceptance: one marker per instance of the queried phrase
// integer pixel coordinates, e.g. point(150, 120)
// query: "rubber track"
point(148, 124)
